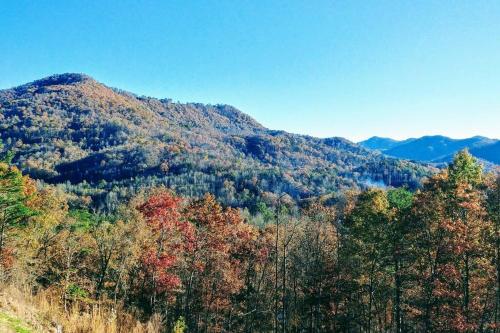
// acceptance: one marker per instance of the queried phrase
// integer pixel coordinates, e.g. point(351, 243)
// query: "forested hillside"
point(121, 213)
point(106, 144)
point(376, 261)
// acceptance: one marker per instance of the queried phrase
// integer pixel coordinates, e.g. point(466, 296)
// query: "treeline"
point(376, 261)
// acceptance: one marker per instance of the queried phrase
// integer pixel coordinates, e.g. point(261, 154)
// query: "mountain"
point(490, 152)
point(435, 148)
point(379, 143)
point(108, 144)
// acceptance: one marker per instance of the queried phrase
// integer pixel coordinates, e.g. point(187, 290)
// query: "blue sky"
point(325, 68)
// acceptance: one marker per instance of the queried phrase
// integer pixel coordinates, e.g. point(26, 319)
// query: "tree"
point(173, 237)
point(15, 192)
point(36, 240)
point(453, 229)
point(216, 271)
point(399, 219)
point(367, 254)
point(110, 241)
point(314, 271)
point(494, 239)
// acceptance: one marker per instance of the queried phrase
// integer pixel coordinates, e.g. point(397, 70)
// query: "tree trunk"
point(397, 301)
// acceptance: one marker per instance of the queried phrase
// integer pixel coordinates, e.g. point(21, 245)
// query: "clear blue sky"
point(324, 68)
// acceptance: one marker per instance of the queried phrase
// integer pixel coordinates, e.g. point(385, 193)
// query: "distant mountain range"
point(108, 144)
point(435, 149)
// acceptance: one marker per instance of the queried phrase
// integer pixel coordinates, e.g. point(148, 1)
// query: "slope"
point(107, 143)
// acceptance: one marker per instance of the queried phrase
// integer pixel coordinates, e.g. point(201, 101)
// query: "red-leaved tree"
point(173, 238)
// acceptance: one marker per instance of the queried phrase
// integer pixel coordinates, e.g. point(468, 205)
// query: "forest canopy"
point(384, 260)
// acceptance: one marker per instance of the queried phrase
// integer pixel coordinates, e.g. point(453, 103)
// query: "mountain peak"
point(65, 78)
point(378, 143)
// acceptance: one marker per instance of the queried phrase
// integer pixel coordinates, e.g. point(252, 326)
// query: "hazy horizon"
point(352, 70)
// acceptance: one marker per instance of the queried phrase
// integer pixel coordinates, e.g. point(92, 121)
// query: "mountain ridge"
point(70, 129)
point(435, 148)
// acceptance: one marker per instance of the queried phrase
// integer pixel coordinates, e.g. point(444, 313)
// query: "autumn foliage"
point(381, 260)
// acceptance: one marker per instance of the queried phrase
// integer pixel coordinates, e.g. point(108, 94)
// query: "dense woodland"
point(121, 213)
point(108, 145)
point(375, 260)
